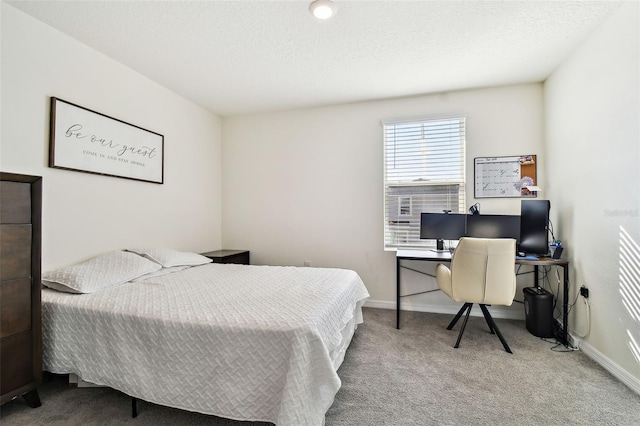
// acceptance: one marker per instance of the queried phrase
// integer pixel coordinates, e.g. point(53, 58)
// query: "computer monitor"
point(442, 226)
point(534, 220)
point(493, 226)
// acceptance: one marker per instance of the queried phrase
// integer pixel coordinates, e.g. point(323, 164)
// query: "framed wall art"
point(513, 176)
point(87, 141)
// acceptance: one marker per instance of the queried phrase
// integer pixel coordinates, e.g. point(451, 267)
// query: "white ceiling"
point(239, 57)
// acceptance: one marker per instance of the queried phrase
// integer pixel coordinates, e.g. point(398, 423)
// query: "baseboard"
point(620, 373)
point(76, 381)
point(503, 312)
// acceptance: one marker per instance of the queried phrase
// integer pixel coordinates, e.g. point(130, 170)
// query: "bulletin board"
point(513, 176)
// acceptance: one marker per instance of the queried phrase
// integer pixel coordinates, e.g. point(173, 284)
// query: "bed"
point(258, 343)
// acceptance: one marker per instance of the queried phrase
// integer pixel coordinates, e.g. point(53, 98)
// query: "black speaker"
point(538, 310)
point(557, 253)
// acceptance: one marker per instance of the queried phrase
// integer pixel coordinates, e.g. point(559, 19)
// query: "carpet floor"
point(411, 376)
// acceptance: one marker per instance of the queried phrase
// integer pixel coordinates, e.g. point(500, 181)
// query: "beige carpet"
point(411, 376)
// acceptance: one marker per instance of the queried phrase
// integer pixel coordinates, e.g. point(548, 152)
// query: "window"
point(424, 171)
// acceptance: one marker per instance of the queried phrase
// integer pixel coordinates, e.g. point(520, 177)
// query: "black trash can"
point(538, 310)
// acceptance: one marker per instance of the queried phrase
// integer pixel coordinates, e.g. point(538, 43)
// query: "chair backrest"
point(483, 271)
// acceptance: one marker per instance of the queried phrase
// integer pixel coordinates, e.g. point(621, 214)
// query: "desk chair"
point(483, 272)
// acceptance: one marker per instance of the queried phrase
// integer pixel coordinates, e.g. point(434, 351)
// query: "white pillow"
point(161, 272)
point(102, 271)
point(169, 258)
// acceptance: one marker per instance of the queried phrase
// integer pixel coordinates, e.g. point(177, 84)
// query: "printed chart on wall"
point(513, 176)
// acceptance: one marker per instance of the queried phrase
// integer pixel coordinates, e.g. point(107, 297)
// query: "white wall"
point(84, 214)
point(592, 114)
point(307, 184)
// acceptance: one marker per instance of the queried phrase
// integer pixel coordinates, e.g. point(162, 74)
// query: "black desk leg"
point(397, 293)
point(565, 305)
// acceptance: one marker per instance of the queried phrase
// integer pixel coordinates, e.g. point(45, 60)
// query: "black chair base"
point(493, 328)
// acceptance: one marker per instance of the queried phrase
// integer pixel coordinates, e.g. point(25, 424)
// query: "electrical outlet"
point(584, 292)
point(307, 263)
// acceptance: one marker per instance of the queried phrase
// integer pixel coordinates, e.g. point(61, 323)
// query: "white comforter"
point(243, 342)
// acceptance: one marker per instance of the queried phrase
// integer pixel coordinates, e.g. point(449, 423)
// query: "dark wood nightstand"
point(228, 256)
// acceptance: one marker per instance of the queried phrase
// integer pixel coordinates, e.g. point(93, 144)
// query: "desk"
point(432, 256)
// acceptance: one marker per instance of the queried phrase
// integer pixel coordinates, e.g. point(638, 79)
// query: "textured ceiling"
point(239, 57)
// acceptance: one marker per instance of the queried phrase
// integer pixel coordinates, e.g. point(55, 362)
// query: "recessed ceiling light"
point(322, 9)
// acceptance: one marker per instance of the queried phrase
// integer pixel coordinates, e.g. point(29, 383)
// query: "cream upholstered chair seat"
point(483, 272)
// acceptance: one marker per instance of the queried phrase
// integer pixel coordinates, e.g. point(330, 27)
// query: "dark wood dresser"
point(20, 308)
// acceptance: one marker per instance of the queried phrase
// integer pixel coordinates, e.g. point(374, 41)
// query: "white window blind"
point(424, 161)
